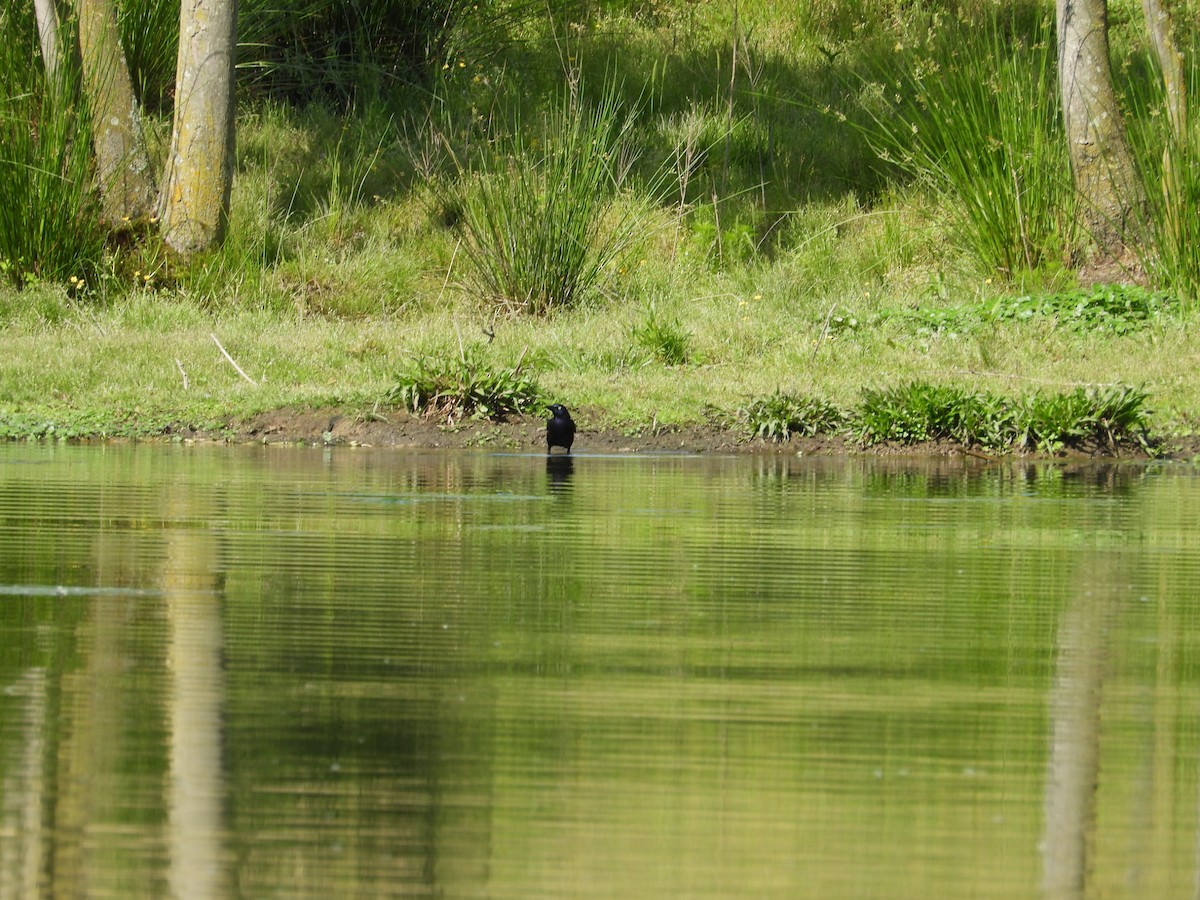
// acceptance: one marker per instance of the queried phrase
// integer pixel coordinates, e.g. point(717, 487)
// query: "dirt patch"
point(398, 428)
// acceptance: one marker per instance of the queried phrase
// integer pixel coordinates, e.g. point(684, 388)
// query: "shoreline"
point(334, 426)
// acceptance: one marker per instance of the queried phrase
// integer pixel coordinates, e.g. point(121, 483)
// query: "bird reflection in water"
point(559, 469)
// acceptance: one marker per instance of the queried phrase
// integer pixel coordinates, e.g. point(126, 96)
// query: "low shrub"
point(1046, 422)
point(919, 411)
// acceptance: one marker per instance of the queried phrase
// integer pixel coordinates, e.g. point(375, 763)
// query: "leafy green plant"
point(1114, 308)
point(77, 425)
point(1100, 415)
point(842, 322)
point(722, 246)
point(780, 415)
point(666, 339)
point(1047, 422)
point(1119, 309)
point(466, 384)
point(540, 228)
point(919, 411)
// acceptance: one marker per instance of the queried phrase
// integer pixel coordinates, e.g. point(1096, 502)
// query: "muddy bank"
point(398, 428)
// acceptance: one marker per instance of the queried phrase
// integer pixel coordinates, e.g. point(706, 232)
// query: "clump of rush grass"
point(665, 338)
point(465, 385)
point(50, 216)
point(539, 227)
point(780, 415)
point(974, 117)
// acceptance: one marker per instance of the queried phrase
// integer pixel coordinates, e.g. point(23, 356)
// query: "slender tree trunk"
point(126, 184)
point(47, 24)
point(195, 198)
point(1101, 162)
point(1170, 62)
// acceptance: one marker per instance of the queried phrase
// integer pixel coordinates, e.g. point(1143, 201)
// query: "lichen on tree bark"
point(195, 198)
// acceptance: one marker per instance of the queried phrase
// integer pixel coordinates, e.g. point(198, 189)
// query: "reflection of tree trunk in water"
point(197, 785)
point(1155, 814)
point(21, 796)
point(1196, 892)
point(1073, 771)
point(89, 748)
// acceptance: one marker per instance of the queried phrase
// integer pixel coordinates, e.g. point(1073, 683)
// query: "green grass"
point(1169, 164)
point(666, 339)
point(92, 369)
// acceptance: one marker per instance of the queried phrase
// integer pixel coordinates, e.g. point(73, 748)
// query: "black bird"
point(560, 430)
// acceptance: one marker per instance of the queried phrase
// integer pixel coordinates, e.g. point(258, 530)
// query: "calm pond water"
point(283, 672)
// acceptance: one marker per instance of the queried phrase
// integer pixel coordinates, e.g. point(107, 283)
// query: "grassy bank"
point(746, 204)
point(151, 362)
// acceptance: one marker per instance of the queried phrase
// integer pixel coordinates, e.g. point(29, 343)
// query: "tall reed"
point(1168, 160)
point(974, 117)
point(150, 38)
point(49, 217)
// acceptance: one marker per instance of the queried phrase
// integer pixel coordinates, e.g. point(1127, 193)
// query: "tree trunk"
point(123, 167)
point(1101, 162)
point(195, 199)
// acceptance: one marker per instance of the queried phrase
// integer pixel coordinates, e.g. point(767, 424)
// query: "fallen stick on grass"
point(824, 331)
point(230, 358)
point(182, 372)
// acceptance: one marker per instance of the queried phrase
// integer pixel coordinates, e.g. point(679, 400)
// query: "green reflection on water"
point(287, 672)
